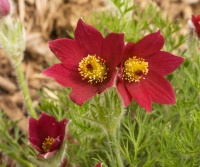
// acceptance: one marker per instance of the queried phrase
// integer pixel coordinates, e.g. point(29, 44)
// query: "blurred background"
point(45, 20)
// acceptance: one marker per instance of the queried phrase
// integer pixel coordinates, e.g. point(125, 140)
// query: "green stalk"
point(21, 160)
point(108, 111)
point(109, 139)
point(119, 158)
point(112, 137)
point(25, 92)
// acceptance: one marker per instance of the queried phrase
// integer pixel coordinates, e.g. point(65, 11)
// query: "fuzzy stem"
point(110, 147)
point(119, 158)
point(25, 92)
point(112, 137)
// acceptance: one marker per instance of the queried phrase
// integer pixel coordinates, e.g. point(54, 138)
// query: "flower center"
point(93, 69)
point(135, 69)
point(47, 143)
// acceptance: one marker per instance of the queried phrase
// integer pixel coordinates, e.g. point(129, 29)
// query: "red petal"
point(36, 143)
point(68, 51)
point(48, 155)
point(164, 63)
point(89, 38)
point(56, 144)
point(81, 89)
point(4, 8)
point(124, 93)
point(128, 51)
point(79, 95)
point(159, 88)
point(148, 45)
point(140, 94)
point(48, 126)
point(62, 127)
point(109, 82)
point(98, 165)
point(64, 162)
point(196, 20)
point(32, 129)
point(112, 49)
point(64, 76)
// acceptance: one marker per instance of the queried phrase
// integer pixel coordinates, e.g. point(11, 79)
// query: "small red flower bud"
point(194, 24)
point(98, 165)
point(4, 8)
point(47, 134)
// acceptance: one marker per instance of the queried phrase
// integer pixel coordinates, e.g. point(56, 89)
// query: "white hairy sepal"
point(12, 39)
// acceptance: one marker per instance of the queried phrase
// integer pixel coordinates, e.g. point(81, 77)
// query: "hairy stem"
point(25, 92)
point(112, 138)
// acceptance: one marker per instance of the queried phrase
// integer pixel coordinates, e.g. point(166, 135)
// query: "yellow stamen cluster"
point(46, 145)
point(134, 69)
point(93, 69)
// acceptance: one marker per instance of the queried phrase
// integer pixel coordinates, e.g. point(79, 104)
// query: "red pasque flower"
point(98, 165)
point(142, 70)
point(194, 24)
point(46, 135)
point(4, 8)
point(88, 63)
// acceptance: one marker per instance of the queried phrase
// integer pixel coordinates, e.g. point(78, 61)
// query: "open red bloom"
point(46, 134)
point(142, 70)
point(88, 63)
point(194, 24)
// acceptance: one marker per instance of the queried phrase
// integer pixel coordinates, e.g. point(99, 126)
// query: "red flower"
point(4, 8)
point(98, 165)
point(194, 24)
point(88, 63)
point(142, 70)
point(46, 134)
point(64, 162)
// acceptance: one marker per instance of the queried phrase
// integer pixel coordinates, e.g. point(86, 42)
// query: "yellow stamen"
point(134, 69)
point(93, 69)
point(47, 143)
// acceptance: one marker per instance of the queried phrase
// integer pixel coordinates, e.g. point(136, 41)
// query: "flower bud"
point(12, 39)
point(98, 165)
point(48, 137)
point(4, 8)
point(194, 24)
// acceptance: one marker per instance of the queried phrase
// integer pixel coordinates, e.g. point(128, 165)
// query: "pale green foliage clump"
point(10, 139)
point(168, 136)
